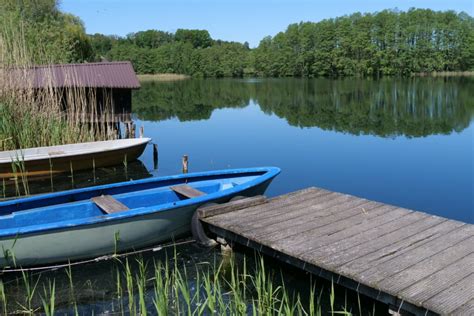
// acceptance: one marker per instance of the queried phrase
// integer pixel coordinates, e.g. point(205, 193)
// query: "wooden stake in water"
point(185, 164)
point(93, 168)
point(51, 174)
point(72, 174)
point(155, 156)
point(125, 166)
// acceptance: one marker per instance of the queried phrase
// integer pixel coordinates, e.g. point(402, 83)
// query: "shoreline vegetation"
point(168, 285)
point(32, 115)
point(385, 43)
point(178, 77)
point(445, 74)
point(162, 77)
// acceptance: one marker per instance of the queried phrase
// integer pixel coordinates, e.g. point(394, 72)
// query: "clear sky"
point(232, 20)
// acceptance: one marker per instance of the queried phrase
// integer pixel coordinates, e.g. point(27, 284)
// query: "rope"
point(97, 259)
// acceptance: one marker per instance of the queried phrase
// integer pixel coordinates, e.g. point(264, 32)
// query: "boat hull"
point(55, 165)
point(91, 241)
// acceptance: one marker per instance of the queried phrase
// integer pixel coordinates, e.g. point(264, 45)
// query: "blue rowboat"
point(95, 221)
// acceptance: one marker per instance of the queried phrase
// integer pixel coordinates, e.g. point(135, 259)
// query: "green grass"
point(153, 286)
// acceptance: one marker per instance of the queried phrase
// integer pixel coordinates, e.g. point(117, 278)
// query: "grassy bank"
point(144, 285)
point(163, 77)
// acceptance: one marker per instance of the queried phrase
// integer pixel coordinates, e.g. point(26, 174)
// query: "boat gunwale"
point(18, 154)
point(268, 174)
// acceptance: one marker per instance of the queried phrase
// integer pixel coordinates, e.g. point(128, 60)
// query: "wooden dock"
point(412, 261)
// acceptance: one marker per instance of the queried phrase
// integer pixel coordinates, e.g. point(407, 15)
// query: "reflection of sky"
point(433, 174)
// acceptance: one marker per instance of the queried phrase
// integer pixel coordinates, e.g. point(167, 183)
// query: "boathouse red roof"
point(87, 75)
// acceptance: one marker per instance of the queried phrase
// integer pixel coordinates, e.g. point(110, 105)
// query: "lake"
point(407, 142)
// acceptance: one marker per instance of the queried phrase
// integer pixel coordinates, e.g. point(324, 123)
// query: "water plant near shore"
point(144, 285)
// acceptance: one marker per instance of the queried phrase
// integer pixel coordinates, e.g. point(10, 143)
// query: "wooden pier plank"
point(453, 297)
point(347, 249)
point(466, 309)
point(303, 210)
point(285, 229)
point(278, 207)
point(413, 256)
point(373, 254)
point(436, 282)
point(315, 227)
point(423, 268)
point(304, 243)
point(377, 272)
point(277, 204)
point(219, 209)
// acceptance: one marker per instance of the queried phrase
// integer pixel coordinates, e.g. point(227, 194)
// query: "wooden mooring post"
point(412, 261)
point(155, 156)
point(185, 164)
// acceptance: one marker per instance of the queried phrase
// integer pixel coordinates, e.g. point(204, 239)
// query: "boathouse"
point(107, 85)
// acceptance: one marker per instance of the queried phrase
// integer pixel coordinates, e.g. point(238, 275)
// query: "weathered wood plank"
point(298, 210)
point(355, 216)
point(375, 273)
point(285, 229)
point(453, 297)
point(347, 249)
point(420, 269)
point(372, 254)
point(466, 309)
point(187, 191)
point(327, 247)
point(271, 209)
point(440, 280)
point(218, 209)
point(303, 243)
point(108, 204)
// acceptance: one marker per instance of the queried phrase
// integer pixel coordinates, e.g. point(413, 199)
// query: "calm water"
point(404, 142)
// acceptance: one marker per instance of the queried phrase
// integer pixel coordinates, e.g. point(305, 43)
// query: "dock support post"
point(225, 247)
point(185, 164)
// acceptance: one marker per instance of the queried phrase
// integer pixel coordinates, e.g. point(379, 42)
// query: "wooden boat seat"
point(187, 191)
point(108, 204)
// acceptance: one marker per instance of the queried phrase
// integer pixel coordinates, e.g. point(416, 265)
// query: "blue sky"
point(232, 20)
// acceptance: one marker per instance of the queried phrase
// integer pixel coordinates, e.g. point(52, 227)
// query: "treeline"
point(191, 52)
point(44, 34)
point(385, 43)
point(389, 42)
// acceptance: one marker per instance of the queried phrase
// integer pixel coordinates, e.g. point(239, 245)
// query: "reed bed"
point(33, 109)
point(167, 287)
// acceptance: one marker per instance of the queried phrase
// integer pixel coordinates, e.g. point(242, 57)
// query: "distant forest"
point(389, 42)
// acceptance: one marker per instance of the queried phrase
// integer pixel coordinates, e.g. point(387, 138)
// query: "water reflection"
point(79, 179)
point(411, 107)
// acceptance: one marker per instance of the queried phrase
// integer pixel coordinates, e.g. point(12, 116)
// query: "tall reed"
point(144, 286)
point(41, 110)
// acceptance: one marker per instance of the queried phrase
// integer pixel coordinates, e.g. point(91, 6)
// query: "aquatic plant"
point(145, 285)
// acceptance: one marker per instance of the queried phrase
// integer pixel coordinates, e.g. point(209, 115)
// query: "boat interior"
point(109, 201)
